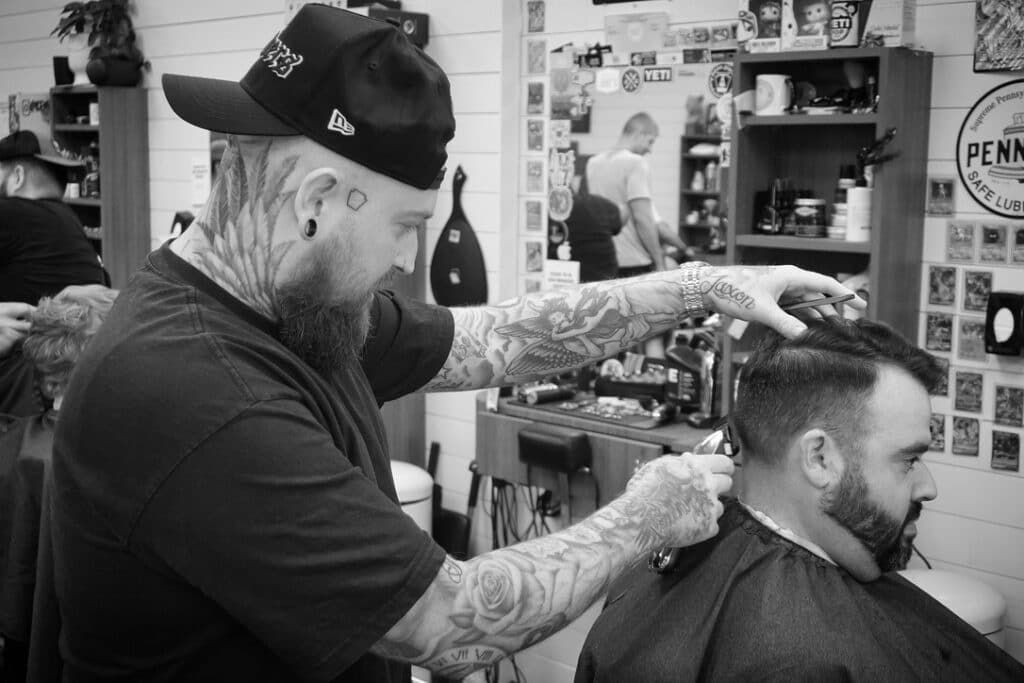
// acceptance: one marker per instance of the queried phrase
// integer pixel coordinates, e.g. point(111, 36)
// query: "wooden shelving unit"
point(809, 149)
point(699, 234)
point(121, 212)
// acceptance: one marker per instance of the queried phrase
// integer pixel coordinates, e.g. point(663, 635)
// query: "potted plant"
point(114, 58)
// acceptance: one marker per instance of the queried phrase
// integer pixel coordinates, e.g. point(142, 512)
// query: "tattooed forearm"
point(544, 334)
point(509, 599)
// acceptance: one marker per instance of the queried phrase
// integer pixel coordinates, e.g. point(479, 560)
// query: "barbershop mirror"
point(686, 175)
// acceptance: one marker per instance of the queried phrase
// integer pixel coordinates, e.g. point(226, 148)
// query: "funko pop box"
point(806, 24)
point(760, 25)
point(893, 20)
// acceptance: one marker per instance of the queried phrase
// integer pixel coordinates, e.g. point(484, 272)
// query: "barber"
point(224, 505)
point(42, 250)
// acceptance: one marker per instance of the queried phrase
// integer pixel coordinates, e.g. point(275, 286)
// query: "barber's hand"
point(752, 293)
point(676, 497)
point(14, 324)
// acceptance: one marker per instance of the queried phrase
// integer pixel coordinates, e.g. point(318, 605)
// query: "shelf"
point(703, 138)
point(698, 226)
point(76, 128)
point(83, 201)
point(803, 243)
point(753, 121)
point(88, 89)
point(842, 53)
point(698, 193)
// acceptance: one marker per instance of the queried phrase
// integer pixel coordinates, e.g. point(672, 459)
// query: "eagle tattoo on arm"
point(560, 337)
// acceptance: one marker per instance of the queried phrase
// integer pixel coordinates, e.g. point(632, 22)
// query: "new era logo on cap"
point(339, 124)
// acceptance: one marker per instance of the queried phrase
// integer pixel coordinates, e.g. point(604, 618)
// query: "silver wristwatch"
point(693, 298)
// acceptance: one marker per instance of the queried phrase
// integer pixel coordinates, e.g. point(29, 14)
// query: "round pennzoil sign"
point(990, 150)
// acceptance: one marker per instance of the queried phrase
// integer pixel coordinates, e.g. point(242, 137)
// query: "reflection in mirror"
point(687, 183)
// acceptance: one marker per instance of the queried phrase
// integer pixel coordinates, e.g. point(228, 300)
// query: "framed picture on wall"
point(966, 433)
point(998, 39)
point(938, 332)
point(941, 387)
point(969, 388)
point(1005, 451)
point(938, 430)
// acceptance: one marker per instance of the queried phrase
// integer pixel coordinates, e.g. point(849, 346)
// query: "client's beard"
point(880, 532)
point(328, 335)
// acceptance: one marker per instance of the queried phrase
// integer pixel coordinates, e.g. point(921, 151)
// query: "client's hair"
point(61, 328)
point(822, 379)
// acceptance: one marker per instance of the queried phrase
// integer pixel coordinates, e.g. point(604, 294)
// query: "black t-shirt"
point(750, 605)
point(223, 513)
point(42, 250)
point(592, 223)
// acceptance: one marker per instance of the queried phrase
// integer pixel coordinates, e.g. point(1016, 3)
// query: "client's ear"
point(818, 457)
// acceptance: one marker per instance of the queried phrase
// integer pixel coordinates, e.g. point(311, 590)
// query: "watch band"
point(693, 298)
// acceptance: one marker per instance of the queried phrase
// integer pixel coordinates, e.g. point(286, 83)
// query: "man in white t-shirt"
point(621, 174)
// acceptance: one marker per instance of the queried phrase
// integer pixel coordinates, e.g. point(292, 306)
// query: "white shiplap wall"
point(221, 40)
point(976, 526)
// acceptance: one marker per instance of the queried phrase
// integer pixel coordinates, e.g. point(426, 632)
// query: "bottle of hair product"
point(697, 182)
point(858, 213)
point(711, 177)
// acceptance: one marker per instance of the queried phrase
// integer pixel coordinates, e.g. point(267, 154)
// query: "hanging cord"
point(923, 558)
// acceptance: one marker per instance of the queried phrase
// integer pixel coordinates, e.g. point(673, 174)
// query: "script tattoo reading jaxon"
point(990, 150)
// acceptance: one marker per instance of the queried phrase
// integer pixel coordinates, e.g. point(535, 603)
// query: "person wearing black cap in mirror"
point(224, 506)
point(42, 250)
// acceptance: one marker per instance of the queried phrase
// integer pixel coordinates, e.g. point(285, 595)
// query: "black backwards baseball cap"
point(353, 84)
point(24, 143)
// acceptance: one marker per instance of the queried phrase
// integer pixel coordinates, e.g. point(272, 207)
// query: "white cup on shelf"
point(774, 94)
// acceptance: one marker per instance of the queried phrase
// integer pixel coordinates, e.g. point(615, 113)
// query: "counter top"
point(676, 436)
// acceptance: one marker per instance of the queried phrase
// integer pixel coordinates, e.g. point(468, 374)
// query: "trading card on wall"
point(535, 16)
point(971, 345)
point(966, 434)
point(942, 285)
point(1017, 244)
point(977, 287)
point(560, 129)
point(941, 387)
point(536, 56)
point(532, 284)
point(938, 429)
point(959, 241)
point(1009, 406)
point(940, 197)
point(993, 243)
point(1005, 451)
point(535, 97)
point(534, 253)
point(533, 215)
point(938, 334)
point(968, 391)
point(534, 175)
point(534, 135)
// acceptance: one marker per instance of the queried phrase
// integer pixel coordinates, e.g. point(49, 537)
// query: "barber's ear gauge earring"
point(309, 229)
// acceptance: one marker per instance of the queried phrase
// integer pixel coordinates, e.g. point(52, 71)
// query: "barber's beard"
point(327, 333)
point(881, 533)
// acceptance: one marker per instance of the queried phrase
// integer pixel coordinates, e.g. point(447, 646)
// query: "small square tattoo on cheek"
point(356, 199)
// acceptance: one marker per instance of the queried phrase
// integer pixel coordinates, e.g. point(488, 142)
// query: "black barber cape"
point(749, 605)
point(221, 511)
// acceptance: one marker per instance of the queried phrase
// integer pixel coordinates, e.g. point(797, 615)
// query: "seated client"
point(799, 583)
